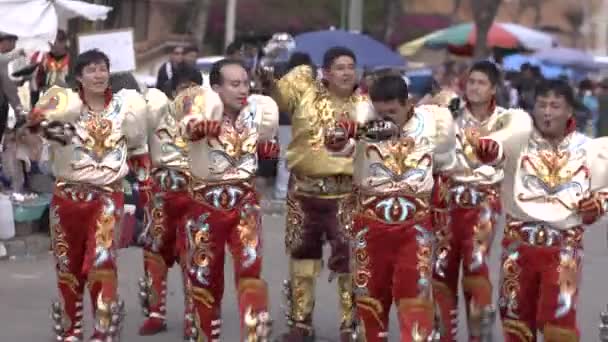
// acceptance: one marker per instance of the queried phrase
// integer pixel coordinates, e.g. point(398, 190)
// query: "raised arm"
point(515, 127)
point(445, 138)
point(288, 91)
point(199, 112)
point(595, 204)
point(266, 116)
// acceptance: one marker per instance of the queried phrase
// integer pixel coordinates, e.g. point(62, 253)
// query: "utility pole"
point(355, 16)
point(343, 14)
point(230, 22)
point(601, 30)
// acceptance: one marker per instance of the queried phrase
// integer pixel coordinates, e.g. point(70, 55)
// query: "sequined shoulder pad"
point(198, 101)
point(60, 104)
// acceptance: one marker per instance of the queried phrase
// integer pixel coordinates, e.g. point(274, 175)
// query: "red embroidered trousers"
point(225, 215)
point(163, 245)
point(393, 263)
point(83, 223)
point(464, 237)
point(540, 272)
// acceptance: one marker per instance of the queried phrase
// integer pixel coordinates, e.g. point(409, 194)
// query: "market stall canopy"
point(35, 22)
point(370, 52)
point(460, 39)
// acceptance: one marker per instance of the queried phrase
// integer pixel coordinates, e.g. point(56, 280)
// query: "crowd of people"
point(404, 192)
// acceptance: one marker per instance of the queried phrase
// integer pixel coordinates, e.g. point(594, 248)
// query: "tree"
point(198, 21)
point(456, 7)
point(484, 12)
point(392, 12)
point(576, 18)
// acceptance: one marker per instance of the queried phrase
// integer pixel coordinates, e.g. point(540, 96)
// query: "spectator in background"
point(165, 73)
point(526, 86)
point(8, 89)
point(190, 56)
point(587, 111)
point(53, 67)
point(234, 50)
point(602, 119)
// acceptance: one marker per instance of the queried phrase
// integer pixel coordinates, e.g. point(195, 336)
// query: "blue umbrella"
point(370, 52)
point(514, 63)
point(567, 57)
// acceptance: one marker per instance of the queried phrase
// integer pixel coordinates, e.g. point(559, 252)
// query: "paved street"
point(27, 287)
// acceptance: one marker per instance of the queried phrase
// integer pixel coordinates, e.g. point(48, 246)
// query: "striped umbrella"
point(460, 39)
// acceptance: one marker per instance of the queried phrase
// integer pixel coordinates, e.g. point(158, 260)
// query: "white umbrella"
point(35, 22)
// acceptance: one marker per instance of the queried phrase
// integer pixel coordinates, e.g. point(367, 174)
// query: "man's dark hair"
point(90, 57)
point(123, 80)
point(336, 52)
point(62, 36)
point(489, 69)
point(389, 88)
point(185, 74)
point(190, 48)
point(233, 48)
point(297, 59)
point(215, 75)
point(557, 88)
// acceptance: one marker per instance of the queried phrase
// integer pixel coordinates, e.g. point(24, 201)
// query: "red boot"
point(206, 312)
point(153, 292)
point(71, 290)
point(108, 310)
point(373, 320)
point(253, 308)
point(416, 320)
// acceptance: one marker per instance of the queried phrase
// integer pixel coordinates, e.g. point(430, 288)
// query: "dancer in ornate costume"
point(53, 67)
point(468, 201)
point(94, 136)
point(556, 184)
point(394, 239)
point(226, 136)
point(170, 178)
point(318, 200)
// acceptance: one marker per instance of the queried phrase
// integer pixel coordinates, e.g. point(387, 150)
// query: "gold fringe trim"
point(202, 296)
point(373, 306)
point(68, 279)
point(101, 275)
point(518, 328)
point(155, 258)
point(553, 333)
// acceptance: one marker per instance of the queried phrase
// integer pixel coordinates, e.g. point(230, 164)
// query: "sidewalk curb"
point(24, 246)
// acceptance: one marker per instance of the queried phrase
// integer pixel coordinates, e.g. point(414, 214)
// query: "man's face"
point(234, 88)
point(60, 47)
point(479, 89)
point(341, 75)
point(394, 111)
point(95, 77)
point(190, 58)
point(177, 56)
point(551, 114)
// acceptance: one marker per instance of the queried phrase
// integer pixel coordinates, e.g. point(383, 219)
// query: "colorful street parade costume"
point(90, 154)
point(225, 206)
point(319, 197)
